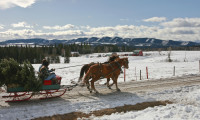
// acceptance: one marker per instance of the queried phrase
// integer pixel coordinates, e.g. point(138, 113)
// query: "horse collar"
point(111, 65)
point(118, 65)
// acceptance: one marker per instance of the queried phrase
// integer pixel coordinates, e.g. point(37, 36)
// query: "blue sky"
point(68, 19)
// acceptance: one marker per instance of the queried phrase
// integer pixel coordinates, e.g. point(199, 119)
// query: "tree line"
point(35, 53)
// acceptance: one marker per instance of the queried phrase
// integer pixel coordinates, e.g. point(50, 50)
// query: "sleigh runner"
point(48, 90)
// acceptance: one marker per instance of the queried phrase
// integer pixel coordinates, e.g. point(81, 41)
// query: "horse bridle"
point(119, 66)
point(126, 62)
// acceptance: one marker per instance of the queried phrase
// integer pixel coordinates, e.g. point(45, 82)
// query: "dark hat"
point(45, 62)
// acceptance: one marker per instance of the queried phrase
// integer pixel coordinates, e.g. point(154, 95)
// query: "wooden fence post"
point(147, 72)
point(174, 71)
point(124, 74)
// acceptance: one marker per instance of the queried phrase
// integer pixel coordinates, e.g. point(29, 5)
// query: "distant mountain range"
point(137, 42)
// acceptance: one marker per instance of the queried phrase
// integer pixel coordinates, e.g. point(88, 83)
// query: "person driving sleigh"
point(46, 74)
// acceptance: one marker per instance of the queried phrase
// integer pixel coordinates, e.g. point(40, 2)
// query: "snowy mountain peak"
point(142, 42)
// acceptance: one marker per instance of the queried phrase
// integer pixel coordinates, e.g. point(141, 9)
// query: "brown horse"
point(111, 70)
point(86, 67)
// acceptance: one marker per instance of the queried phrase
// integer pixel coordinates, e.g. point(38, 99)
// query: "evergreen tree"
point(15, 75)
point(30, 82)
point(10, 72)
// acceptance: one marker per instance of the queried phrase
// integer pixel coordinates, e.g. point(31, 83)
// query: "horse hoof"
point(109, 87)
point(97, 92)
point(90, 91)
point(118, 90)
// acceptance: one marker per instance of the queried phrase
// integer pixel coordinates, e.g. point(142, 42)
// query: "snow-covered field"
point(154, 61)
point(186, 108)
point(186, 99)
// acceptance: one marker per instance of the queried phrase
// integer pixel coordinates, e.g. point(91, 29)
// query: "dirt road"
point(132, 86)
point(80, 98)
point(137, 86)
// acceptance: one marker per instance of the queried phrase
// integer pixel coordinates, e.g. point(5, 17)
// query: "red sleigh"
point(48, 90)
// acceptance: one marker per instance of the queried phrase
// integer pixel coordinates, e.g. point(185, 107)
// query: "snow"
point(151, 60)
point(185, 43)
point(188, 108)
point(169, 112)
point(186, 99)
point(152, 41)
point(165, 42)
point(148, 40)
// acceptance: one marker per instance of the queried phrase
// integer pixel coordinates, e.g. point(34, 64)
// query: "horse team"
point(96, 71)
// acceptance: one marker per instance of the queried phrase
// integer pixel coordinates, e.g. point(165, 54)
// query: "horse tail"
point(82, 73)
point(84, 69)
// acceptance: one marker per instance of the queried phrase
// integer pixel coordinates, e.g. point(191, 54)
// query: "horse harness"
point(100, 70)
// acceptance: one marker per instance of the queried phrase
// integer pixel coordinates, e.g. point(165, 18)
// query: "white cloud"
point(17, 34)
point(85, 27)
point(175, 29)
point(28, 33)
point(5, 4)
point(155, 19)
point(182, 22)
point(21, 24)
point(182, 31)
point(57, 27)
point(125, 31)
point(102, 29)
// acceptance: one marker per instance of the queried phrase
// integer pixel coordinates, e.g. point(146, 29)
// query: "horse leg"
point(92, 86)
point(86, 81)
point(88, 86)
point(109, 86)
point(108, 80)
point(117, 87)
point(115, 81)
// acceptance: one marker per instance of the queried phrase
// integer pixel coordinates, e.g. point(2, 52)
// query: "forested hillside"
point(35, 53)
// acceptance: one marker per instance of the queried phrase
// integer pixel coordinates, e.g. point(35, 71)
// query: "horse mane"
point(113, 58)
point(119, 59)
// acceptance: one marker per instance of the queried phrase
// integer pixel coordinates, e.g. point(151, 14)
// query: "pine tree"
point(30, 82)
point(10, 71)
point(15, 75)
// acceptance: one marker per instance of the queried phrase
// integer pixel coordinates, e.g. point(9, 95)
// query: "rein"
point(70, 66)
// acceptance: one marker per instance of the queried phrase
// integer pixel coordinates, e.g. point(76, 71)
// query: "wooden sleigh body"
point(47, 91)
